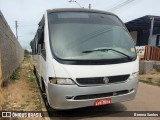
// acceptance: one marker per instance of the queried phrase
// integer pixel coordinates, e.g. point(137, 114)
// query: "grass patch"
point(151, 82)
point(158, 70)
point(38, 106)
point(31, 80)
point(16, 74)
point(23, 106)
point(26, 59)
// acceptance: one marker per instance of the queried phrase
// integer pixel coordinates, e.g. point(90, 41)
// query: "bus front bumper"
point(64, 96)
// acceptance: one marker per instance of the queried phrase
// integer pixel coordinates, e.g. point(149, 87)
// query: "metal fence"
point(11, 52)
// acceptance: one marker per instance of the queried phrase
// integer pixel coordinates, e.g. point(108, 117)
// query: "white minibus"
point(84, 57)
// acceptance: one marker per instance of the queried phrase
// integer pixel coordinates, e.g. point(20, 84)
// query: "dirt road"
point(147, 99)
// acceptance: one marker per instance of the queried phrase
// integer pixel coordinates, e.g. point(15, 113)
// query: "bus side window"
point(43, 51)
point(42, 43)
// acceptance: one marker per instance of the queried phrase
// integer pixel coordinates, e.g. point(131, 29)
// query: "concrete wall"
point(11, 51)
point(146, 66)
point(1, 93)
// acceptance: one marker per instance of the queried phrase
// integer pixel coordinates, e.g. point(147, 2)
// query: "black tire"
point(44, 95)
point(42, 86)
point(34, 70)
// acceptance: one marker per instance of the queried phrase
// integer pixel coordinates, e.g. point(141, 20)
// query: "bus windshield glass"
point(89, 36)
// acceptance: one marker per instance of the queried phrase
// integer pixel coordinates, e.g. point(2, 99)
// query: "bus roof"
point(78, 10)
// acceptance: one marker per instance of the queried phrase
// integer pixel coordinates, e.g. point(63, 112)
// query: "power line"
point(115, 4)
point(28, 25)
point(120, 5)
point(89, 6)
point(22, 25)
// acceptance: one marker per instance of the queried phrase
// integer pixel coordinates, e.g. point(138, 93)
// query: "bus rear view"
point(90, 59)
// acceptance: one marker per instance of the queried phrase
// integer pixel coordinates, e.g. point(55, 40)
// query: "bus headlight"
point(61, 81)
point(134, 75)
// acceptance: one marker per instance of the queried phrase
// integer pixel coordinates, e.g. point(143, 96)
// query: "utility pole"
point(16, 24)
point(151, 31)
point(89, 6)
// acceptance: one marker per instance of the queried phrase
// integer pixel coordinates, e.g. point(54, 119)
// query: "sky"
point(28, 13)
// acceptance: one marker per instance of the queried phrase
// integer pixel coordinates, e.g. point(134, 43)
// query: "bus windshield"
point(89, 36)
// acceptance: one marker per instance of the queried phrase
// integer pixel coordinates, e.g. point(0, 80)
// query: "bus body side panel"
point(42, 67)
point(49, 64)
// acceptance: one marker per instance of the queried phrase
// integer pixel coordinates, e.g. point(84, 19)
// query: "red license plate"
point(103, 102)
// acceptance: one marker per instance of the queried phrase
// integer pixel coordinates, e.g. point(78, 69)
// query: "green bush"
point(16, 74)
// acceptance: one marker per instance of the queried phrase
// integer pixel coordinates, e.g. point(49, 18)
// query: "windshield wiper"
point(105, 49)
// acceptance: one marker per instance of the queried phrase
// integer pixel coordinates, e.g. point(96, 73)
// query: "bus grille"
point(100, 80)
point(94, 96)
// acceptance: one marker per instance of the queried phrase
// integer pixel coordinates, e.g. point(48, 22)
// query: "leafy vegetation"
point(16, 74)
point(26, 53)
